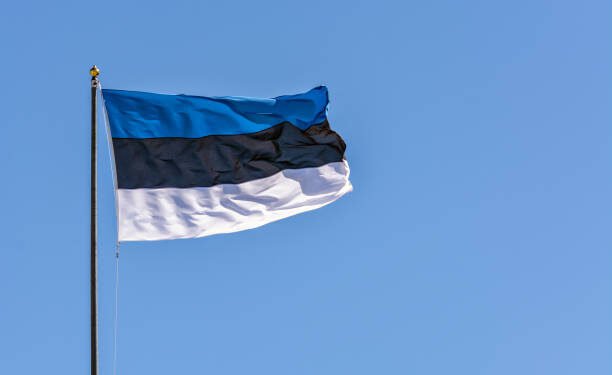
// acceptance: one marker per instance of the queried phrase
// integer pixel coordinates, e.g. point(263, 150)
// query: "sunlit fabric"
point(192, 166)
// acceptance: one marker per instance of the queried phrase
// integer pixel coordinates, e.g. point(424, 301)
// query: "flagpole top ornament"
point(94, 72)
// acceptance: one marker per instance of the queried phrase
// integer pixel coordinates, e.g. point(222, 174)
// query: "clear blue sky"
point(477, 241)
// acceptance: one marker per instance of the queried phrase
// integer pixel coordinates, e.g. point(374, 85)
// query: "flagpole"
point(93, 291)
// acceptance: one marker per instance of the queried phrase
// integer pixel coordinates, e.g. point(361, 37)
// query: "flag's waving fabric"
point(192, 166)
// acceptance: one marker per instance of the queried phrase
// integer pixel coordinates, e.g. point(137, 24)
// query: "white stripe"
point(169, 213)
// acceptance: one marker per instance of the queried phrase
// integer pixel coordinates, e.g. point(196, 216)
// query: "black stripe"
point(223, 159)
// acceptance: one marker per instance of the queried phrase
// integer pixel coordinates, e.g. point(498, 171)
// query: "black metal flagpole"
point(94, 72)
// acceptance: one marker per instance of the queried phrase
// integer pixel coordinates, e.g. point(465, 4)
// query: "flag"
point(192, 166)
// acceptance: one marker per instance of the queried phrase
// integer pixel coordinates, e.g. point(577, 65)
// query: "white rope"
point(116, 319)
point(111, 155)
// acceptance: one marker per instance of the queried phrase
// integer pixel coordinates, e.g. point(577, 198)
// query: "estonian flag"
point(191, 166)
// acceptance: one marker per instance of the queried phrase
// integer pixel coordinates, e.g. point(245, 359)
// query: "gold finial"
point(94, 71)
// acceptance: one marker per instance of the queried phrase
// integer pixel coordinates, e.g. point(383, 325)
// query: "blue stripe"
point(134, 114)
